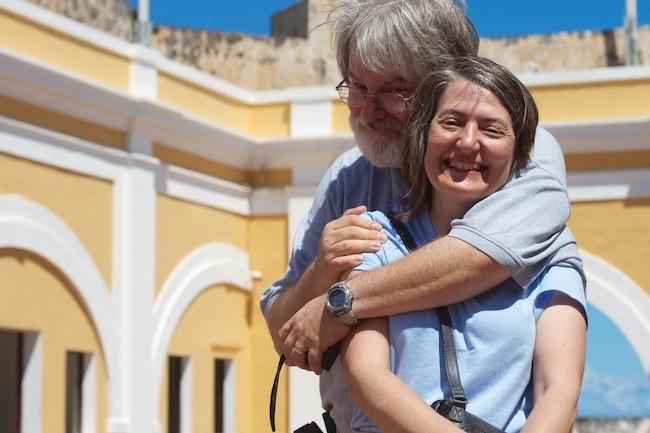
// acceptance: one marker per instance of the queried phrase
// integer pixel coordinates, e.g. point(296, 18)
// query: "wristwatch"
point(339, 303)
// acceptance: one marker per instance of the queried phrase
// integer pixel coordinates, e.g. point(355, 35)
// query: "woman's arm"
point(381, 395)
point(558, 365)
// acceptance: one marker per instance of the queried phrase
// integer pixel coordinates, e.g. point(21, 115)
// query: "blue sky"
point(493, 18)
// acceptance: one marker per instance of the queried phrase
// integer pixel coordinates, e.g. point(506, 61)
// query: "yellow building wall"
point(608, 160)
point(340, 114)
point(62, 123)
point(216, 325)
point(270, 120)
point(593, 101)
point(170, 155)
point(267, 247)
point(35, 296)
point(84, 203)
point(618, 232)
point(61, 51)
point(182, 227)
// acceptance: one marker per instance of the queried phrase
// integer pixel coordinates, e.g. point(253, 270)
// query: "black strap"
point(328, 360)
point(274, 392)
point(449, 354)
point(446, 330)
point(403, 232)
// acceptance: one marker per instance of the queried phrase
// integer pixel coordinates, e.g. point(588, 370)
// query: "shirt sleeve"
point(560, 280)
point(393, 249)
point(327, 205)
point(522, 225)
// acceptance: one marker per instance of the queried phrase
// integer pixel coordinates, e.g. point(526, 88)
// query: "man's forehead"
point(383, 78)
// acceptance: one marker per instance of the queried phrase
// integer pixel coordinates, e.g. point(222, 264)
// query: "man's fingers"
point(315, 358)
point(356, 210)
point(352, 220)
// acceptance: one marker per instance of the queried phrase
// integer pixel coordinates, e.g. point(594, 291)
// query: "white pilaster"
point(134, 270)
point(304, 393)
point(143, 74)
point(31, 395)
point(311, 118)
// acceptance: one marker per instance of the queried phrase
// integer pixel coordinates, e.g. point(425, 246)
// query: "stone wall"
point(115, 17)
point(290, 59)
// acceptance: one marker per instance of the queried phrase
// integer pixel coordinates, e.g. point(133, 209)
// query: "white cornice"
point(608, 185)
point(585, 76)
point(602, 135)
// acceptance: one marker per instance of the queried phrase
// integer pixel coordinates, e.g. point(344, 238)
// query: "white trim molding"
point(211, 264)
point(608, 185)
point(29, 226)
point(622, 300)
point(31, 383)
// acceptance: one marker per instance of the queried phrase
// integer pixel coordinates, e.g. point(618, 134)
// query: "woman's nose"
point(468, 138)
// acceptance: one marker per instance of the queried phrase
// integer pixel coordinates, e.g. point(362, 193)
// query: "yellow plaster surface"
point(267, 246)
point(608, 160)
point(181, 227)
point(36, 297)
point(216, 325)
point(61, 123)
point(271, 120)
point(59, 50)
point(340, 114)
point(84, 203)
point(617, 232)
point(196, 163)
point(592, 101)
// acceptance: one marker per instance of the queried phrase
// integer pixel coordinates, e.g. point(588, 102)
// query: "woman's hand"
point(342, 242)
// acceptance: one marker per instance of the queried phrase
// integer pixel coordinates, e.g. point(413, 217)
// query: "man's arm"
point(443, 272)
point(339, 250)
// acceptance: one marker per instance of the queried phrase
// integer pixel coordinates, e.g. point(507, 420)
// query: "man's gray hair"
point(401, 37)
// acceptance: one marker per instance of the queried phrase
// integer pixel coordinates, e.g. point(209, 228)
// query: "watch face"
point(337, 299)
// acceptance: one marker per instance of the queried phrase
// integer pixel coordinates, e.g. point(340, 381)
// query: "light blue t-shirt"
point(522, 226)
point(494, 335)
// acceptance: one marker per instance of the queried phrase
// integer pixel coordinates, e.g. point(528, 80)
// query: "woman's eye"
point(450, 123)
point(494, 132)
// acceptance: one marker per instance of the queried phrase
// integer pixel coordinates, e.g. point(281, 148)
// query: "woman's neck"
point(444, 209)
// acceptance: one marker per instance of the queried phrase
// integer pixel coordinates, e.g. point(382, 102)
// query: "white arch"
point(28, 226)
point(622, 300)
point(210, 264)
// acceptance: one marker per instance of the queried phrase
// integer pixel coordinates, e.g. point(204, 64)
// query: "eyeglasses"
point(390, 102)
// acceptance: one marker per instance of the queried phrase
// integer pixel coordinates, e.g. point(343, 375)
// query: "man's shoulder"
point(352, 159)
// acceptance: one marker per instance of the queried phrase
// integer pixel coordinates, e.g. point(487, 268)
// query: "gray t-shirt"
point(521, 226)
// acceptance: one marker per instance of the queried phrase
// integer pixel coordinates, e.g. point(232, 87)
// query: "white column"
point(311, 118)
point(143, 74)
point(89, 394)
point(134, 279)
point(630, 25)
point(186, 395)
point(304, 393)
point(229, 397)
point(31, 392)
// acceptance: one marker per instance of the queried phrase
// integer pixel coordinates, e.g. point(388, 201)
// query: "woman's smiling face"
point(470, 145)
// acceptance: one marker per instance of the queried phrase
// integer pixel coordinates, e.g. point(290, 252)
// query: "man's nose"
point(370, 110)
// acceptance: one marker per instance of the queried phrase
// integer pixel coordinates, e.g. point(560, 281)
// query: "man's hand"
point(309, 333)
point(342, 241)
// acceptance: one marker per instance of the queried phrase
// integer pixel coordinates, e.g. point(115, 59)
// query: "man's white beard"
point(381, 144)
